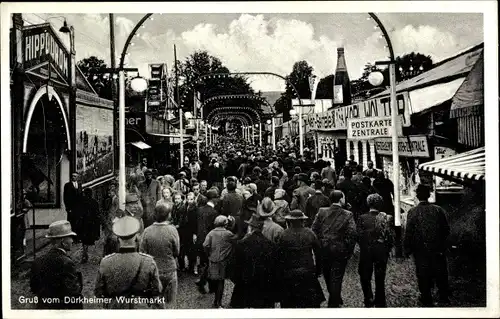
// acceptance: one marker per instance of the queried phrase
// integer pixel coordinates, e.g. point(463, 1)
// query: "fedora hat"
point(126, 226)
point(255, 221)
point(131, 198)
point(296, 214)
point(266, 208)
point(60, 229)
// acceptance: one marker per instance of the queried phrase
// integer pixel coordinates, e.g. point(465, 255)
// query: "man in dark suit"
point(254, 269)
point(336, 231)
point(72, 197)
point(302, 193)
point(232, 202)
point(427, 231)
point(315, 202)
point(54, 275)
point(206, 218)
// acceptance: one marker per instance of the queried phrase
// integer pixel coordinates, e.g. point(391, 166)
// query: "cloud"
point(254, 43)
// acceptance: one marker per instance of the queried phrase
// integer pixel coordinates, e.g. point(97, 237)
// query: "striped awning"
point(469, 165)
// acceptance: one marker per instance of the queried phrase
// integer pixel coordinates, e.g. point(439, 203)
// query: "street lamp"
point(394, 129)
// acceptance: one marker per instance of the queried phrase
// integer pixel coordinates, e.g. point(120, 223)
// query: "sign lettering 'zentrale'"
point(410, 146)
point(336, 119)
point(370, 128)
point(40, 44)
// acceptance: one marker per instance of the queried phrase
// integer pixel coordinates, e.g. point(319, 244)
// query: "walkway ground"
point(467, 284)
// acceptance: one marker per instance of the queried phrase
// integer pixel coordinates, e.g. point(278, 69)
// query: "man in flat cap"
point(302, 193)
point(54, 275)
point(128, 274)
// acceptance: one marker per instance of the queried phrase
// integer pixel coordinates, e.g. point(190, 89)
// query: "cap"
point(303, 177)
point(131, 198)
point(126, 226)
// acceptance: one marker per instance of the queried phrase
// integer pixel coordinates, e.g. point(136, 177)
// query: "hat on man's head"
point(255, 222)
point(131, 198)
point(60, 229)
point(231, 179)
point(148, 171)
point(126, 226)
point(296, 214)
point(266, 208)
point(303, 177)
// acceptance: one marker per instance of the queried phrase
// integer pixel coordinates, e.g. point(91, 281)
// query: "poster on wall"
point(94, 143)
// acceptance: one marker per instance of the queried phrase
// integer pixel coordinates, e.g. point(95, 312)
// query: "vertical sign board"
point(370, 128)
point(42, 46)
point(336, 119)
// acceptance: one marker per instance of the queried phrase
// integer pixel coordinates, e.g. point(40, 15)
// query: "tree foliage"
point(92, 68)
point(407, 66)
point(200, 63)
point(299, 77)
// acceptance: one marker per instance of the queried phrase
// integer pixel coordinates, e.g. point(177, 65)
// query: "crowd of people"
point(270, 221)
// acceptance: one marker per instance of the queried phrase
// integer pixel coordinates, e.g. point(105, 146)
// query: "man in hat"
point(329, 173)
point(336, 231)
point(128, 273)
point(54, 275)
point(264, 182)
point(315, 202)
point(206, 218)
point(150, 191)
point(266, 211)
point(72, 197)
point(426, 233)
point(302, 193)
point(232, 202)
point(182, 185)
point(298, 270)
point(255, 269)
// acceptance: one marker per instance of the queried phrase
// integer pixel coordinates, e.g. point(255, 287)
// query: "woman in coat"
point(88, 223)
point(219, 245)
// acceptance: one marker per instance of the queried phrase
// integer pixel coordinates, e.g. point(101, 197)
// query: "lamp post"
point(313, 86)
point(394, 132)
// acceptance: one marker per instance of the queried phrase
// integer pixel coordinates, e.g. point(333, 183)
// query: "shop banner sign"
point(410, 146)
point(336, 119)
point(370, 128)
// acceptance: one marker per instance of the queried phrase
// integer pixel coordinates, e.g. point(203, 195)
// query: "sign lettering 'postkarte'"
point(370, 128)
point(336, 119)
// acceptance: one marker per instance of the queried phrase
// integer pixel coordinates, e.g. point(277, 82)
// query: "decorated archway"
point(51, 94)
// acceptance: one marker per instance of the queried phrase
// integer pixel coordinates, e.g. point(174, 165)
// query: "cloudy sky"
point(272, 42)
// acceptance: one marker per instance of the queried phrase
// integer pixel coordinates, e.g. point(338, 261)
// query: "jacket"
point(116, 274)
point(206, 218)
point(336, 231)
point(161, 240)
point(313, 204)
point(55, 275)
point(232, 204)
point(427, 229)
point(300, 196)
